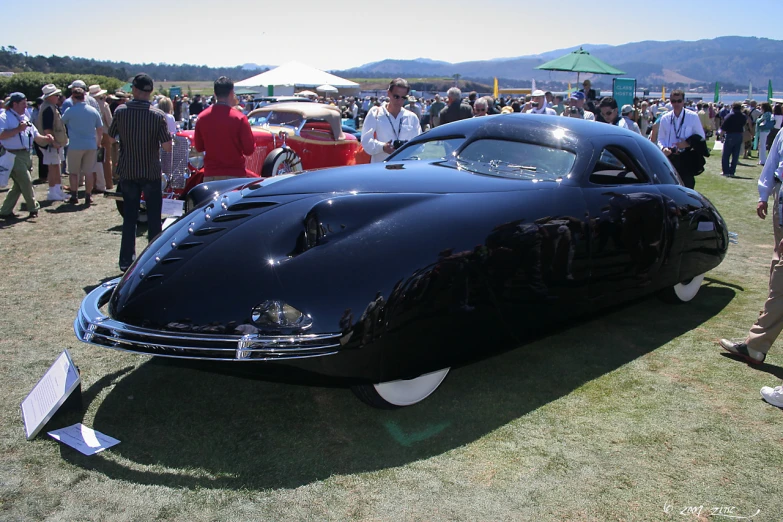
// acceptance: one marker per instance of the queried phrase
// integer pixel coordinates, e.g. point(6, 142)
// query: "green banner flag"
point(716, 98)
point(769, 91)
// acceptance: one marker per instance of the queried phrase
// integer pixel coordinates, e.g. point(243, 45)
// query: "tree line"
point(11, 60)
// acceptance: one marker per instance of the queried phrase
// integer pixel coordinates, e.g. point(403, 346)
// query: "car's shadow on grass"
point(181, 427)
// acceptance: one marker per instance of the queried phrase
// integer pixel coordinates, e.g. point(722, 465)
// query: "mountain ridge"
point(726, 59)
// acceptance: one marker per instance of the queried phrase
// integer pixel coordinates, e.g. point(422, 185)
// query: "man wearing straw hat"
point(50, 122)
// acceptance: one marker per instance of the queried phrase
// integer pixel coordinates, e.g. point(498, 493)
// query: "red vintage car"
point(291, 137)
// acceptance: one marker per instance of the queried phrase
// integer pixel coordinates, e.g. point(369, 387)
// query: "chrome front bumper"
point(93, 327)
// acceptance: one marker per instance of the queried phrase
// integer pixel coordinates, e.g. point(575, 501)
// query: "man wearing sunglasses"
point(678, 133)
point(388, 127)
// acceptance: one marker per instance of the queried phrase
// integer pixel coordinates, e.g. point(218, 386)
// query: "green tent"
point(580, 61)
point(127, 88)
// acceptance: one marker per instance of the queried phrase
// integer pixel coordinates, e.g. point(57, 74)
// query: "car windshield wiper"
point(498, 167)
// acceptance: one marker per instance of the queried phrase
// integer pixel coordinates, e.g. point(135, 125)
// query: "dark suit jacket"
point(455, 112)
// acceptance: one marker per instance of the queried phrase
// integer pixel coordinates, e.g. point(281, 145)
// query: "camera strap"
point(391, 124)
point(26, 132)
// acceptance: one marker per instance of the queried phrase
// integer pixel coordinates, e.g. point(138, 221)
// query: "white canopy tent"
point(289, 77)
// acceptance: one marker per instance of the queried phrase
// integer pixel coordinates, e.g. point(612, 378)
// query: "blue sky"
point(338, 34)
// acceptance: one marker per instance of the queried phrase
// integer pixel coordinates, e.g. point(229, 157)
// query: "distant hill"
point(731, 60)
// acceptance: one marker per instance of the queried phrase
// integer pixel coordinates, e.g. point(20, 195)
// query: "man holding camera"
point(17, 134)
point(388, 127)
point(576, 107)
point(540, 105)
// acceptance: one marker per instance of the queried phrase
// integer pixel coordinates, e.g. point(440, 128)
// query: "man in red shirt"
point(223, 134)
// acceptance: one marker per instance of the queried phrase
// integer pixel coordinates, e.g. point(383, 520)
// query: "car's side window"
point(616, 167)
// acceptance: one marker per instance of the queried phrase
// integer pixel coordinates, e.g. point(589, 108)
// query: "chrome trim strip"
point(93, 327)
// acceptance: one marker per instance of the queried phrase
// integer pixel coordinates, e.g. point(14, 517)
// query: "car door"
point(626, 213)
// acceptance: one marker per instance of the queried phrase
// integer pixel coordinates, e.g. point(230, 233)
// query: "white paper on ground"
point(718, 145)
point(84, 439)
point(172, 207)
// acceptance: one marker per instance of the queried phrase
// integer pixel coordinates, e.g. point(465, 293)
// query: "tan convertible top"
point(308, 111)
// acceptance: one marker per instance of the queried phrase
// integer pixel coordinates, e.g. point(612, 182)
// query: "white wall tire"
point(281, 161)
point(682, 292)
point(404, 392)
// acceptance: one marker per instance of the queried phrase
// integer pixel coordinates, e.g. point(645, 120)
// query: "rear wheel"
point(396, 394)
point(281, 161)
point(683, 292)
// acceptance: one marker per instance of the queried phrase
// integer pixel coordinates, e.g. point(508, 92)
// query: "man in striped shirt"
point(141, 131)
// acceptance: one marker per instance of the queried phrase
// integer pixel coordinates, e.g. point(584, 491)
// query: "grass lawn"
point(634, 415)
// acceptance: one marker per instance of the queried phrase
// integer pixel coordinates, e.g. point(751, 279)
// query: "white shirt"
point(627, 123)
point(380, 127)
point(674, 129)
point(24, 140)
point(171, 123)
point(772, 168)
point(543, 110)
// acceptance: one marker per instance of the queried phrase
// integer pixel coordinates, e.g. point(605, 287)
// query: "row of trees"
point(14, 61)
point(30, 83)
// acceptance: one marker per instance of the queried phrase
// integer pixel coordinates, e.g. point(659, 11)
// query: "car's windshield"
point(290, 119)
point(514, 159)
point(432, 150)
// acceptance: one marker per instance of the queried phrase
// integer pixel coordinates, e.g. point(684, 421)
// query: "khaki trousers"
point(768, 326)
point(23, 185)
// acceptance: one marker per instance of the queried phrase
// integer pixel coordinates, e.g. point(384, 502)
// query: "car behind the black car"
point(472, 238)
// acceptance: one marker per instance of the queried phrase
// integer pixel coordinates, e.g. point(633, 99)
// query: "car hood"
point(395, 178)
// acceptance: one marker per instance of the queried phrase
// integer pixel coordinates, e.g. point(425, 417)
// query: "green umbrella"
point(579, 62)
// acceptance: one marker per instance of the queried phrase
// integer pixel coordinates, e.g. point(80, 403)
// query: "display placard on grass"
point(57, 384)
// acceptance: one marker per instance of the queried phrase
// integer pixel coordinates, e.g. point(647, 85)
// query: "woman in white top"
point(167, 107)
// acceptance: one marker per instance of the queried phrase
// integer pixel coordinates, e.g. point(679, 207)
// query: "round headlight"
point(196, 159)
point(277, 314)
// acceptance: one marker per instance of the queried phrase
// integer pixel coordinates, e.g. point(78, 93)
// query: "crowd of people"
point(78, 136)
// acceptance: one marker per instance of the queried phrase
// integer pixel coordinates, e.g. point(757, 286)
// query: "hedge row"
point(30, 83)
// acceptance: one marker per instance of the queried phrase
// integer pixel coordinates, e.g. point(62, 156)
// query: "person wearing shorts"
point(85, 131)
point(50, 122)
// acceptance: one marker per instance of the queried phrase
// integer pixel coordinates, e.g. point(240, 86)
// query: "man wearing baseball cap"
point(576, 107)
point(17, 134)
point(142, 131)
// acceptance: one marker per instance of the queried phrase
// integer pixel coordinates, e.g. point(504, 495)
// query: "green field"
point(632, 415)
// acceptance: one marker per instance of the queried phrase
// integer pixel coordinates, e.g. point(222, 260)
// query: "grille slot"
point(229, 217)
point(250, 205)
point(208, 230)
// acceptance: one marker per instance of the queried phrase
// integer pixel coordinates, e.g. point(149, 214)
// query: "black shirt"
point(455, 112)
point(47, 118)
point(196, 107)
point(735, 123)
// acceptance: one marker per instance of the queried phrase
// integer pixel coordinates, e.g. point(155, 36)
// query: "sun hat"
point(538, 92)
point(78, 83)
point(95, 90)
point(50, 90)
point(627, 109)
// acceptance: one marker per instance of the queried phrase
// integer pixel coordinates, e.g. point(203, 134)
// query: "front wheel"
point(281, 161)
point(683, 292)
point(396, 394)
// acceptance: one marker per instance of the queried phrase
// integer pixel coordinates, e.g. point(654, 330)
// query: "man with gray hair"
point(455, 110)
point(480, 107)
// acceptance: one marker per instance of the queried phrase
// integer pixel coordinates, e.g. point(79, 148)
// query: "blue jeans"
point(131, 195)
point(731, 147)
